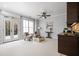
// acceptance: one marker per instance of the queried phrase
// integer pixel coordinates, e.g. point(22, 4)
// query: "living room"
point(22, 18)
point(33, 28)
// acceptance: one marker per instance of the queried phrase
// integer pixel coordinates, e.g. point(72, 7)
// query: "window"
point(28, 26)
point(15, 29)
point(25, 25)
point(7, 28)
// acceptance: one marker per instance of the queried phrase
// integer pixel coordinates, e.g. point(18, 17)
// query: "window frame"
point(28, 25)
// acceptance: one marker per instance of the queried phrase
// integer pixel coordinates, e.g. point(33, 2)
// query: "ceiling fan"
point(44, 15)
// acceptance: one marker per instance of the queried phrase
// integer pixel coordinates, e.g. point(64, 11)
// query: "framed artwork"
point(49, 27)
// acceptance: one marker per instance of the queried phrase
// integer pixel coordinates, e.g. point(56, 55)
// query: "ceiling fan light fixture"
point(44, 15)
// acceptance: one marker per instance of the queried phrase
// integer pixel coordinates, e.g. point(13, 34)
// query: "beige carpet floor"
point(49, 47)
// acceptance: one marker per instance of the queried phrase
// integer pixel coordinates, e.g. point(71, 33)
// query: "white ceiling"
point(34, 8)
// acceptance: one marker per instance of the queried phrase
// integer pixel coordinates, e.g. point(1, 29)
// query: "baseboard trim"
point(10, 41)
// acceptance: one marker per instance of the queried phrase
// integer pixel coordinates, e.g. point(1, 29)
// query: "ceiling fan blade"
point(48, 15)
point(38, 15)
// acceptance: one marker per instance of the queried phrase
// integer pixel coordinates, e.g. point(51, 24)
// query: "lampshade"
point(75, 27)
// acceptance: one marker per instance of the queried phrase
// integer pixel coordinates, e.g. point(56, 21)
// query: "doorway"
point(11, 29)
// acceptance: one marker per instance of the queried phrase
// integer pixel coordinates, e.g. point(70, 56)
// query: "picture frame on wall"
point(49, 27)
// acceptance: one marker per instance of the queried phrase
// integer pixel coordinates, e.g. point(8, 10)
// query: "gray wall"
point(1, 29)
point(58, 19)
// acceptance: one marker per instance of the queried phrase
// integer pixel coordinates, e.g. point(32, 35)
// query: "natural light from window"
point(28, 26)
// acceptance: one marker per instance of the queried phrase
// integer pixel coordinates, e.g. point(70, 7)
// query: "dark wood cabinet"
point(68, 44)
point(72, 12)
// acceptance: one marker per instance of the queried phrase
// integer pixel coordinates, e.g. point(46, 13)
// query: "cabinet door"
point(72, 12)
point(67, 45)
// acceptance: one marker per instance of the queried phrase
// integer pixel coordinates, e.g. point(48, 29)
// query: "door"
point(11, 29)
